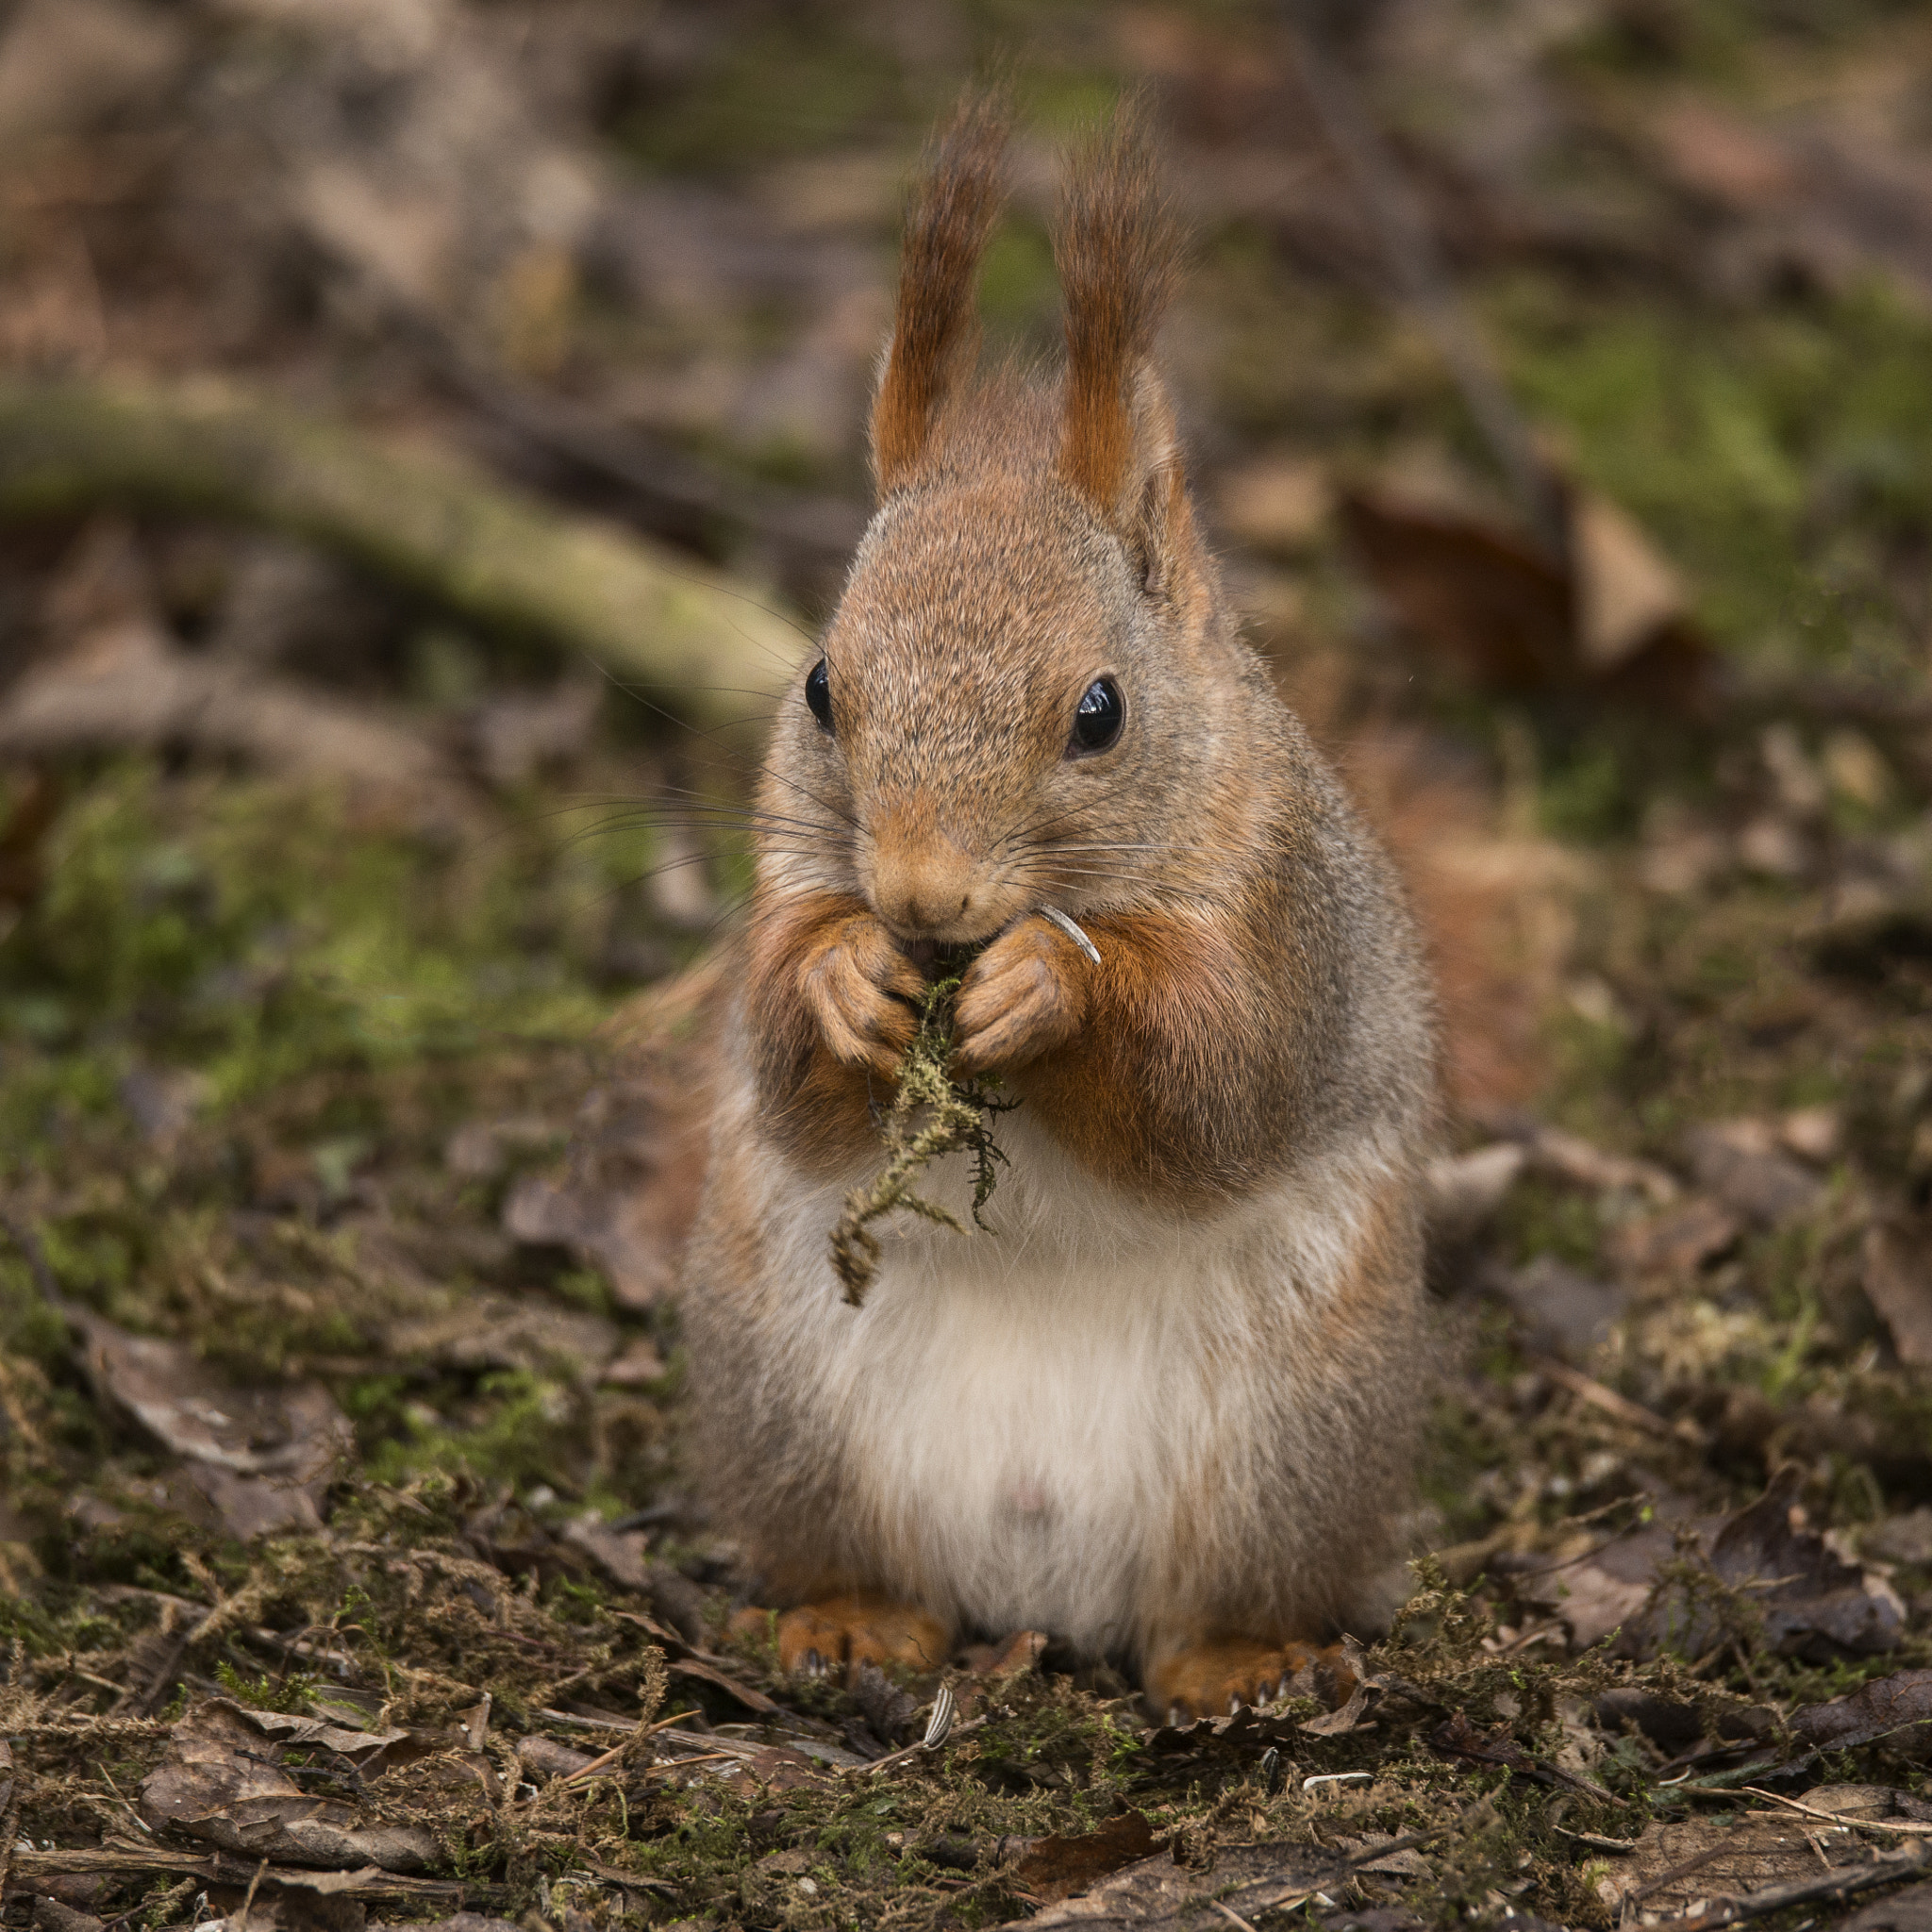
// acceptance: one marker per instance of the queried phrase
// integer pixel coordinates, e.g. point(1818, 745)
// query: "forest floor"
point(349, 1569)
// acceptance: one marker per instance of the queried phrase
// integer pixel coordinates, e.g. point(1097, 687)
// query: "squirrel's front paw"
point(1024, 996)
point(859, 986)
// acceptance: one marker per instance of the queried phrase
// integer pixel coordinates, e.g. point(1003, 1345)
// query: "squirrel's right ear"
point(951, 214)
point(1118, 250)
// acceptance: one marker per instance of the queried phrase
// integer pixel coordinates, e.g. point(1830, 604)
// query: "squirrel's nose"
point(927, 888)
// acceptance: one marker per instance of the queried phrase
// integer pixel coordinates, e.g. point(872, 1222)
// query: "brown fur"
point(1116, 249)
point(946, 228)
point(1258, 1029)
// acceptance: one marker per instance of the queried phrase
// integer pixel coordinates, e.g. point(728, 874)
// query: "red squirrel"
point(1167, 1412)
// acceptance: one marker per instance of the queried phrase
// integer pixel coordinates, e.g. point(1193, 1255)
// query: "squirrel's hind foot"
point(1219, 1676)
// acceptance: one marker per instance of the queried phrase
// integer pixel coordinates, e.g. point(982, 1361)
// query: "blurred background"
point(430, 429)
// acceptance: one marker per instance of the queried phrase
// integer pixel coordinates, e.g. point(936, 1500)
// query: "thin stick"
point(1756, 1905)
point(1587, 1390)
point(1902, 1826)
point(248, 1898)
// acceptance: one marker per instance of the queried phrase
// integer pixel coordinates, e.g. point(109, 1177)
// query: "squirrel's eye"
point(818, 695)
point(1098, 720)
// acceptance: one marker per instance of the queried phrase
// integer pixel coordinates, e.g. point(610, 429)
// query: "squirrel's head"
point(1017, 700)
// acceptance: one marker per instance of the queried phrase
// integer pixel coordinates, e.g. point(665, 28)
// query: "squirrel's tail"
point(951, 212)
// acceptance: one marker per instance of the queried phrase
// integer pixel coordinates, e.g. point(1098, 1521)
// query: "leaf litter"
point(349, 1574)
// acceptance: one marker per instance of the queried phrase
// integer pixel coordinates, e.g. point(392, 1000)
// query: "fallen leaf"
point(50, 1915)
point(1244, 1879)
point(1626, 594)
point(1609, 614)
point(619, 1554)
point(1897, 1708)
point(1909, 1911)
point(1815, 1133)
point(1678, 1242)
point(1561, 1312)
point(1741, 1163)
point(64, 63)
point(1056, 1868)
point(1898, 1283)
point(261, 1456)
point(640, 1364)
point(1466, 1189)
point(1787, 1582)
point(296, 1431)
point(220, 1779)
point(1567, 1157)
point(1482, 596)
point(491, 1331)
point(126, 686)
point(1676, 1864)
point(710, 1674)
point(1276, 502)
point(1904, 1539)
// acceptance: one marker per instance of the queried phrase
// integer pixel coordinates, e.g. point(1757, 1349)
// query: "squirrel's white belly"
point(1032, 1408)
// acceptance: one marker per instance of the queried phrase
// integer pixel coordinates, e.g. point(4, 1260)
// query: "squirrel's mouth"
point(941, 958)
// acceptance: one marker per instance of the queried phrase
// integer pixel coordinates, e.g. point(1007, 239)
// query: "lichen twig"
point(951, 1117)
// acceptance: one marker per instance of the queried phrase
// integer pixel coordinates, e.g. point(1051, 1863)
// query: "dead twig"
point(1588, 1389)
point(248, 1898)
point(1904, 1827)
point(218, 1868)
point(1774, 1898)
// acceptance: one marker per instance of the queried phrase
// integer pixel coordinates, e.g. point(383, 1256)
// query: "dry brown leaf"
point(1244, 1879)
point(491, 1331)
point(1785, 1582)
point(1898, 1283)
point(1563, 1312)
point(1276, 502)
point(64, 63)
point(221, 1780)
point(1465, 1190)
point(1897, 1708)
point(126, 686)
point(1609, 615)
point(261, 1456)
point(1056, 1868)
point(1678, 1242)
point(619, 1554)
point(1676, 1864)
point(1742, 1162)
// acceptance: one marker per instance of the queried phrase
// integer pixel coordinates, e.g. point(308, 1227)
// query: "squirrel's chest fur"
point(1045, 1426)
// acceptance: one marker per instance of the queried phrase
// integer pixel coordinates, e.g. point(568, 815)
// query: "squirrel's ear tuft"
point(951, 212)
point(1118, 250)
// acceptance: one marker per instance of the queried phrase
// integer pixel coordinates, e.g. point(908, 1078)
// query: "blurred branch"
point(489, 555)
point(661, 487)
point(1408, 248)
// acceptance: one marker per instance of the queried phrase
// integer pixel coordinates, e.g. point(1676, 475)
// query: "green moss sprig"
point(931, 1114)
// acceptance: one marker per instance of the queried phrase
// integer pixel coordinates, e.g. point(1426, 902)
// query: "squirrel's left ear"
point(1117, 248)
point(951, 214)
